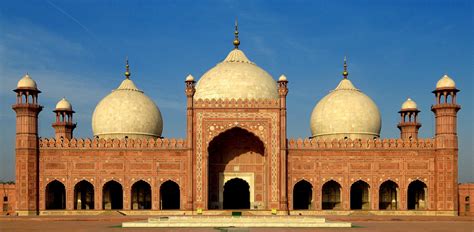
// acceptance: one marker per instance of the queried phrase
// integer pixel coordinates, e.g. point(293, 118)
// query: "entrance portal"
point(360, 195)
point(236, 153)
point(236, 194)
point(302, 195)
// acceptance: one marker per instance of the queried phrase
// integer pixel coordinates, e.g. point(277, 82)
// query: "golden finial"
point(345, 73)
point(236, 34)
point(127, 69)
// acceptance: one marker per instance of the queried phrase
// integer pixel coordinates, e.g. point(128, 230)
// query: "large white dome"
point(346, 112)
point(236, 77)
point(127, 112)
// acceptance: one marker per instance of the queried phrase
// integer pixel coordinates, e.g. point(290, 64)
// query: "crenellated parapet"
point(345, 144)
point(237, 103)
point(87, 143)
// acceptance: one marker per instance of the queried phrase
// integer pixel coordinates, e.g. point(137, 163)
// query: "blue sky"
point(395, 50)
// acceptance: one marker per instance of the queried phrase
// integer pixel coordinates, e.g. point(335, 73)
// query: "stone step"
point(242, 221)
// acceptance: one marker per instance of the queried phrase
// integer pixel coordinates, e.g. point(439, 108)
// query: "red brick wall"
point(7, 199)
point(466, 199)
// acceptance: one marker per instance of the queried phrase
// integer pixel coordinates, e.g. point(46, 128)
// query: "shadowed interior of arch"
point(112, 195)
point(55, 195)
point(141, 195)
point(388, 195)
point(331, 195)
point(360, 195)
point(416, 195)
point(170, 195)
point(83, 195)
point(302, 195)
point(236, 194)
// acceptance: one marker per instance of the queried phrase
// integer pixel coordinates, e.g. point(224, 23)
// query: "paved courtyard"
point(360, 224)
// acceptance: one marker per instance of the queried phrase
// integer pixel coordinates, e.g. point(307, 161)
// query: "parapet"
point(160, 143)
point(237, 103)
point(311, 143)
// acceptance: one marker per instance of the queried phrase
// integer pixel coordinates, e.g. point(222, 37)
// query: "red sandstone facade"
point(7, 198)
point(466, 201)
point(241, 145)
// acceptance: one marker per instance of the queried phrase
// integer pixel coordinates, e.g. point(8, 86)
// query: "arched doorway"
point(417, 195)
point(141, 195)
point(55, 195)
point(331, 194)
point(236, 153)
point(83, 195)
point(388, 195)
point(360, 195)
point(169, 193)
point(112, 195)
point(302, 195)
point(236, 194)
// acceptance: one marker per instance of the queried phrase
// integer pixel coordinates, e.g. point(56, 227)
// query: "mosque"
point(236, 155)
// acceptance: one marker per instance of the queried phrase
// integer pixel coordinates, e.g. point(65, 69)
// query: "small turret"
point(409, 124)
point(64, 125)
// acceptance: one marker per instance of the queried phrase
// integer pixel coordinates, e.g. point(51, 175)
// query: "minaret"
point(190, 90)
point(445, 111)
point(409, 124)
point(283, 92)
point(64, 126)
point(27, 148)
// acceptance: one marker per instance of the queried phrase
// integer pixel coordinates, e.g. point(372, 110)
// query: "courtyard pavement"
point(360, 224)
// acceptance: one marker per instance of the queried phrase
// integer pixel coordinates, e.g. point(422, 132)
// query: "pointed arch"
point(55, 195)
point(228, 152)
point(170, 195)
point(236, 194)
point(302, 195)
point(141, 195)
point(388, 195)
point(360, 195)
point(331, 195)
point(83, 195)
point(112, 195)
point(416, 194)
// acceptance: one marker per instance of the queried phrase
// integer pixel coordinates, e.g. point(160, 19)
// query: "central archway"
point(236, 153)
point(236, 194)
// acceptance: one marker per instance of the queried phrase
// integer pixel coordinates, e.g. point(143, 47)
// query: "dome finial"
point(127, 69)
point(345, 73)
point(236, 34)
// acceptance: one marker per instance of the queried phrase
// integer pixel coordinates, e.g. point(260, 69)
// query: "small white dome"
point(346, 112)
point(445, 82)
point(127, 112)
point(64, 104)
point(282, 78)
point(409, 104)
point(26, 82)
point(236, 78)
point(190, 78)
